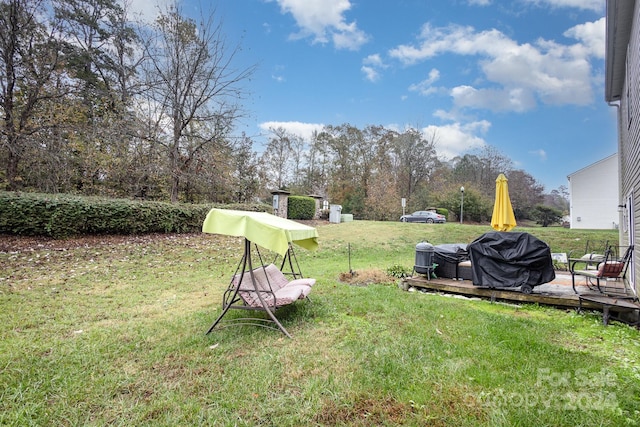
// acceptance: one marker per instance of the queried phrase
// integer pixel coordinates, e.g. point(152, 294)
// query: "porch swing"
point(264, 288)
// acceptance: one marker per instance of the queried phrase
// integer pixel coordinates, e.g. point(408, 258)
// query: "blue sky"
point(524, 76)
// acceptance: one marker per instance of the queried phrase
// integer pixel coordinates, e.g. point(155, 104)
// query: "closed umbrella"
point(503, 218)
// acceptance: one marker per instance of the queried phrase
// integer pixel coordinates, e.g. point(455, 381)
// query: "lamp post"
point(461, 203)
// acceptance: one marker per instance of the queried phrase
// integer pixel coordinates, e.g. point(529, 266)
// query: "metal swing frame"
point(232, 299)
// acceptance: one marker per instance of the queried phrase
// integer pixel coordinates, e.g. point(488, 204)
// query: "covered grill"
point(510, 260)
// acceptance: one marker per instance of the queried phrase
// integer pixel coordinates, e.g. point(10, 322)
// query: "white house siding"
point(594, 195)
point(628, 120)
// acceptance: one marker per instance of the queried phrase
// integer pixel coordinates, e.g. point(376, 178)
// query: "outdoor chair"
point(271, 286)
point(593, 254)
point(605, 275)
point(263, 289)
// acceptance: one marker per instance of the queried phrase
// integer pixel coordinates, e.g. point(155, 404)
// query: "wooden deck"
point(558, 293)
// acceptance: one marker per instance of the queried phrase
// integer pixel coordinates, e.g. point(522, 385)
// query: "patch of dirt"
point(453, 404)
point(365, 412)
point(313, 222)
point(365, 277)
point(11, 243)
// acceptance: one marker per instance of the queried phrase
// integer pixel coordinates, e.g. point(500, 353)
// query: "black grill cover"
point(447, 256)
point(507, 259)
point(451, 252)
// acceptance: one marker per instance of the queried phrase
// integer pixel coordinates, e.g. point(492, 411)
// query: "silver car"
point(428, 217)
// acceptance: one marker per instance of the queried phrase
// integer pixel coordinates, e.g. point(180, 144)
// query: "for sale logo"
point(570, 390)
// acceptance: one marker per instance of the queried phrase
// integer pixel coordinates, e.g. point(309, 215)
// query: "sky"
point(523, 76)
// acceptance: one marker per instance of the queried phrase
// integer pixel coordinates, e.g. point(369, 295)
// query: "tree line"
point(368, 171)
point(97, 102)
point(94, 102)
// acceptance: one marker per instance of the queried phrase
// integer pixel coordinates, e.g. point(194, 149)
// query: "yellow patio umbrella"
point(503, 218)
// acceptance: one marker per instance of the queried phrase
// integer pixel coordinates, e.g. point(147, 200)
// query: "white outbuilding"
point(594, 195)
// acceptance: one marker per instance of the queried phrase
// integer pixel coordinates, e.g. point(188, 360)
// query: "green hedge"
point(60, 216)
point(443, 211)
point(301, 207)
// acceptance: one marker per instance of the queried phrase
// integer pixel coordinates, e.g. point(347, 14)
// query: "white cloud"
point(456, 39)
point(445, 115)
point(349, 37)
point(591, 35)
point(595, 5)
point(515, 99)
point(479, 2)
point(455, 139)
point(374, 60)
point(277, 73)
point(371, 66)
point(425, 87)
point(518, 75)
point(147, 10)
point(303, 130)
point(541, 154)
point(370, 73)
point(324, 20)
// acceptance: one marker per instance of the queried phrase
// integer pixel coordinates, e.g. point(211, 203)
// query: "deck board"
point(555, 294)
point(558, 293)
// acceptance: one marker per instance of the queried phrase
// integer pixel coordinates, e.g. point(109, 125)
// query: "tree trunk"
point(174, 165)
point(13, 179)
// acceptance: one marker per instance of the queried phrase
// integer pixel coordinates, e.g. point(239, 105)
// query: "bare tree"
point(415, 159)
point(192, 80)
point(317, 166)
point(382, 201)
point(558, 198)
point(298, 148)
point(493, 163)
point(247, 181)
point(366, 151)
point(481, 169)
point(29, 61)
point(525, 193)
point(338, 144)
point(276, 157)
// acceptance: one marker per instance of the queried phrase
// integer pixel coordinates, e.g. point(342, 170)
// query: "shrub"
point(398, 271)
point(61, 215)
point(301, 207)
point(477, 207)
point(546, 215)
point(443, 211)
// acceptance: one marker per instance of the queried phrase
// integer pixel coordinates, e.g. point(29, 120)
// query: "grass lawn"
point(111, 332)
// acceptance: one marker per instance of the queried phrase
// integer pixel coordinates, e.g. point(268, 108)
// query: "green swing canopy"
point(266, 230)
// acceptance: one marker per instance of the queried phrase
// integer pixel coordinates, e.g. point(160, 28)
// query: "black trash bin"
point(424, 258)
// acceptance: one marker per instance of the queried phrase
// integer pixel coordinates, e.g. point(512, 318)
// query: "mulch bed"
point(10, 243)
